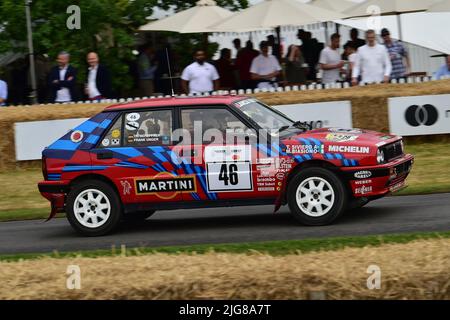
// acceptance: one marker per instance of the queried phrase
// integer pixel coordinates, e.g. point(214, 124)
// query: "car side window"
point(114, 136)
point(213, 121)
point(148, 128)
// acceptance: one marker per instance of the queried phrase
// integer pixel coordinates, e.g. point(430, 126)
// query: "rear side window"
point(114, 136)
point(148, 128)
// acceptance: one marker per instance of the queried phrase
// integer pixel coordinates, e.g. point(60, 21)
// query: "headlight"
point(402, 145)
point(380, 156)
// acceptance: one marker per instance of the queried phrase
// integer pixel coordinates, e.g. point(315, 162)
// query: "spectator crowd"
point(361, 60)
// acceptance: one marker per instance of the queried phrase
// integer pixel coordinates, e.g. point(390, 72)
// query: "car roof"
point(176, 102)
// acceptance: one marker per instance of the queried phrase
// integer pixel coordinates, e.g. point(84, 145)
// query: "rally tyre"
point(138, 216)
point(316, 196)
point(93, 208)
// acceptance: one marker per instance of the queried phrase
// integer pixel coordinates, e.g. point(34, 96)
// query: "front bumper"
point(376, 181)
point(55, 192)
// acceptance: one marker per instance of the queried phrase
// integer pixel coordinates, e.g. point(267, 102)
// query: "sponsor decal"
point(115, 134)
point(338, 137)
point(242, 103)
point(397, 186)
point(363, 182)
point(149, 138)
point(115, 142)
point(227, 153)
point(126, 187)
point(168, 184)
point(363, 174)
point(426, 115)
point(341, 130)
point(77, 136)
point(280, 176)
point(304, 149)
point(363, 190)
point(349, 149)
point(387, 137)
point(133, 117)
point(266, 189)
point(105, 142)
point(132, 126)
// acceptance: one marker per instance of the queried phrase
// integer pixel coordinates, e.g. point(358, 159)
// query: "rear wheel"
point(93, 208)
point(316, 197)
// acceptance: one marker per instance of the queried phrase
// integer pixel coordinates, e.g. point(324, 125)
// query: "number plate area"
point(228, 168)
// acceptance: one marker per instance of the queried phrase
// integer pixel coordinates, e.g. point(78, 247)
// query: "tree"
point(107, 26)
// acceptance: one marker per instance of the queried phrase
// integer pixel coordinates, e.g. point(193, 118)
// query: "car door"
point(136, 153)
point(216, 152)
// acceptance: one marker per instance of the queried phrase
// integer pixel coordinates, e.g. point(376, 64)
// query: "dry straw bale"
point(417, 270)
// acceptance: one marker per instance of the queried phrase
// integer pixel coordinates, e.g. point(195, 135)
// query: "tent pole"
point(399, 25)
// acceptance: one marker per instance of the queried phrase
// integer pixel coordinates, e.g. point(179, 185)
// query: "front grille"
point(392, 151)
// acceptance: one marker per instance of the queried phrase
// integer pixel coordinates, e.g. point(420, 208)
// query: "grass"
point(20, 199)
point(274, 248)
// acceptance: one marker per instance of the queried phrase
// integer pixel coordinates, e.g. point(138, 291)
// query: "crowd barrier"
point(369, 106)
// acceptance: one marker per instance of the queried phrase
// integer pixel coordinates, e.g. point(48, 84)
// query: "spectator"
point(275, 46)
point(443, 71)
point(225, 68)
point(265, 68)
point(99, 80)
point(330, 61)
point(352, 56)
point(200, 76)
point(373, 62)
point(237, 45)
point(3, 93)
point(295, 66)
point(146, 69)
point(243, 64)
point(62, 80)
point(398, 54)
point(355, 42)
point(311, 49)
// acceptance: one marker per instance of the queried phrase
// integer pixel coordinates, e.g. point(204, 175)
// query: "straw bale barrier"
point(416, 270)
point(369, 104)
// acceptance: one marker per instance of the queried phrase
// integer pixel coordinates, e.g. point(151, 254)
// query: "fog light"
point(380, 156)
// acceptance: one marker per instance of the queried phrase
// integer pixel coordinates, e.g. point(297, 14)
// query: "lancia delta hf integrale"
point(178, 153)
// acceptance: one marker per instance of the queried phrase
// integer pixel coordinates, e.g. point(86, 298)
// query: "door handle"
point(105, 155)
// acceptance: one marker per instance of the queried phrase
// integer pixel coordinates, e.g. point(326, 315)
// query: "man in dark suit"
point(62, 80)
point(98, 84)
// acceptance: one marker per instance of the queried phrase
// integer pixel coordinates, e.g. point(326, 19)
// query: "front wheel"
point(93, 208)
point(316, 197)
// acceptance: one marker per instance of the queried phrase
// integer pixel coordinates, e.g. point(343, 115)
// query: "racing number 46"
point(228, 174)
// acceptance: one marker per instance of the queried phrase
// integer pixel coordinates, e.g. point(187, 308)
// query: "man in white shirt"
point(98, 85)
point(200, 76)
point(62, 80)
point(265, 68)
point(330, 61)
point(373, 63)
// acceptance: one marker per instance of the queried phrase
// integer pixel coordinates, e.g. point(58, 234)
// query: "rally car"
point(194, 152)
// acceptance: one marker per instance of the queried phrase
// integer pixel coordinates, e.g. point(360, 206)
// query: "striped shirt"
point(397, 52)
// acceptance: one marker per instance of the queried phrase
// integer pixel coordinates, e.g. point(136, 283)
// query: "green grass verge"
point(20, 199)
point(271, 247)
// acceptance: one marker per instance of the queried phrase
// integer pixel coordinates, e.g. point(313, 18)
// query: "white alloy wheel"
point(92, 208)
point(315, 197)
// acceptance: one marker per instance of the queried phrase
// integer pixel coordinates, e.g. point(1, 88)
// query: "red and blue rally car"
point(171, 153)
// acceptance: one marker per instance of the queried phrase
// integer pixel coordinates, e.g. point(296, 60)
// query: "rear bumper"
point(376, 181)
point(55, 192)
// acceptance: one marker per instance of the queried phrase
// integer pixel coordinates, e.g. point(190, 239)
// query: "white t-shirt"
point(63, 94)
point(262, 65)
point(201, 77)
point(92, 83)
point(372, 63)
point(330, 56)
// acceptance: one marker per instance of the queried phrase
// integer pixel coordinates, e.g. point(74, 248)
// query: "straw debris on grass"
point(417, 270)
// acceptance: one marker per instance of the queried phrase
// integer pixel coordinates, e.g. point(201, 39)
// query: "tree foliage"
point(107, 26)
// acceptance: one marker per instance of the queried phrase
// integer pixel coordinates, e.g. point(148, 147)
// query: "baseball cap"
point(385, 32)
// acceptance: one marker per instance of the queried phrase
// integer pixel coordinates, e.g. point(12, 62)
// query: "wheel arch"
point(312, 164)
point(94, 176)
